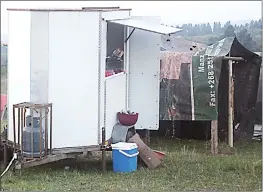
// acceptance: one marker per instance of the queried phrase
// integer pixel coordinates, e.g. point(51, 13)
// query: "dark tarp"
point(246, 80)
point(259, 100)
point(175, 94)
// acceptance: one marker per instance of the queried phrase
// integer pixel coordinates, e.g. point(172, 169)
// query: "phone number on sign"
point(211, 81)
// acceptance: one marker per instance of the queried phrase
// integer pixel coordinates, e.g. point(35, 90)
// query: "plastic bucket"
point(127, 119)
point(124, 157)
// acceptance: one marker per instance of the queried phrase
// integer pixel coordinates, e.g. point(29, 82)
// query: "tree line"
point(249, 34)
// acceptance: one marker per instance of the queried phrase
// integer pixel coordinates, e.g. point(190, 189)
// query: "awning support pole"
point(230, 104)
point(214, 137)
point(130, 35)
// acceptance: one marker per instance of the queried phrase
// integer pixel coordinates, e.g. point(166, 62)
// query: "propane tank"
point(33, 132)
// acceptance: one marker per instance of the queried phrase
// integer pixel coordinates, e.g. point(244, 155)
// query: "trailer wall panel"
point(73, 77)
point(19, 31)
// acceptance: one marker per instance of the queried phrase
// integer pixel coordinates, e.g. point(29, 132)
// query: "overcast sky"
point(172, 12)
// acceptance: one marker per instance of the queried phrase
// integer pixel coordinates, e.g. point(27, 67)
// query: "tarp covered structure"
point(200, 92)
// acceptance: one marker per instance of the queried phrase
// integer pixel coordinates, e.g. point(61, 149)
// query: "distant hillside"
point(249, 34)
point(238, 22)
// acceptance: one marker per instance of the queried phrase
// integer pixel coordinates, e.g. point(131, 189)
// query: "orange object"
point(159, 154)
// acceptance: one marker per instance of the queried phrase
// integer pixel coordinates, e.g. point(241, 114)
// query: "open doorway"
point(115, 49)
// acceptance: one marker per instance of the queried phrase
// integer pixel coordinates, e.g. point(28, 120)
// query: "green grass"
point(188, 166)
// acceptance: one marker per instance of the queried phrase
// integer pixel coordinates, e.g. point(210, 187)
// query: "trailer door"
point(144, 67)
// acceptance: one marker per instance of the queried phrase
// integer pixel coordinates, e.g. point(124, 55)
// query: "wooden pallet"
point(56, 155)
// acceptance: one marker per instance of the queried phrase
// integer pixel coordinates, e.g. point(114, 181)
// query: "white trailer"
point(59, 57)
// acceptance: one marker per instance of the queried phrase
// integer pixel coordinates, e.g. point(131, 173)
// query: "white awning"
point(146, 26)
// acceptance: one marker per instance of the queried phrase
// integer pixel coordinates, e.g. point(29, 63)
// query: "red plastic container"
point(159, 154)
point(109, 73)
point(127, 119)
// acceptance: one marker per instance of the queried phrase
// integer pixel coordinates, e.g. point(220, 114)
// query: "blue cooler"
point(124, 157)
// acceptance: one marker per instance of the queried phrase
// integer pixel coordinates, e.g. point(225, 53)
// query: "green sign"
point(205, 78)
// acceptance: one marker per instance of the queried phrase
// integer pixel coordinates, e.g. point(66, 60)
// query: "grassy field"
point(188, 166)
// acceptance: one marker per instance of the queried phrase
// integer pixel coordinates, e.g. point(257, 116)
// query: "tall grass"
point(188, 166)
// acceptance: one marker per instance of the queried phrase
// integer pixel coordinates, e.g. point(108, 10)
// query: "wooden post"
point(147, 137)
point(5, 154)
point(41, 133)
point(231, 98)
point(230, 104)
point(103, 149)
point(18, 127)
point(23, 113)
point(50, 129)
point(46, 131)
point(14, 127)
point(1, 166)
point(32, 132)
point(214, 137)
